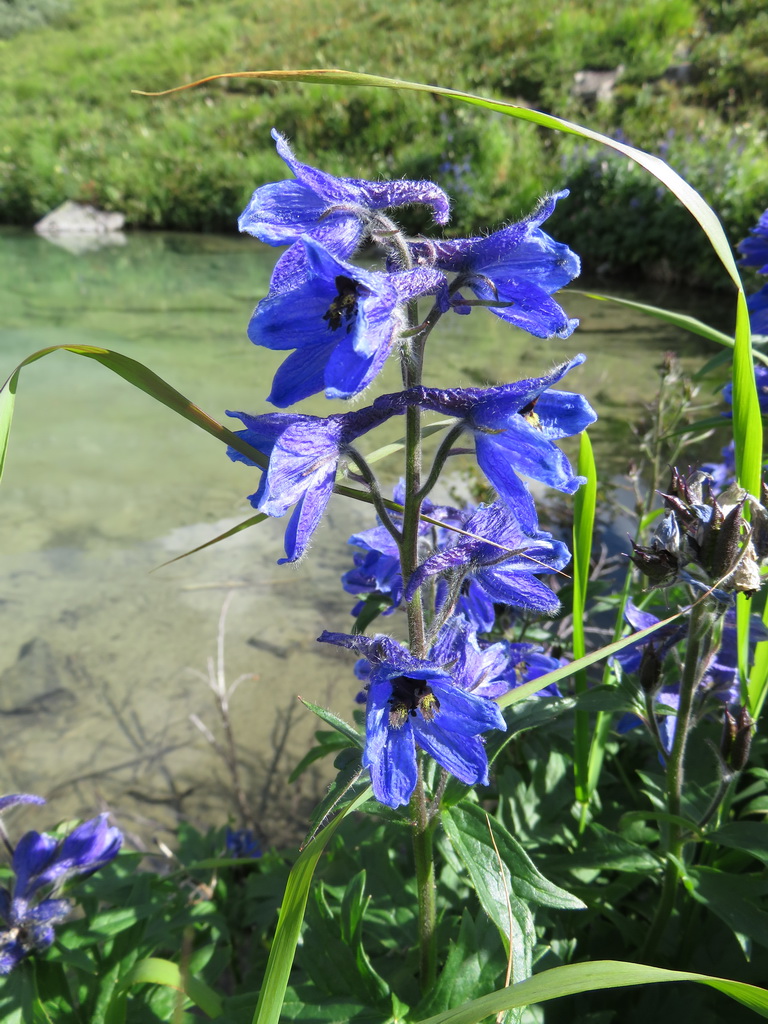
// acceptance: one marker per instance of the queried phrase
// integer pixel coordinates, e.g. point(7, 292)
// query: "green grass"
point(72, 129)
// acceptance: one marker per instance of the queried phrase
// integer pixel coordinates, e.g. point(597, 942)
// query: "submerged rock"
point(33, 684)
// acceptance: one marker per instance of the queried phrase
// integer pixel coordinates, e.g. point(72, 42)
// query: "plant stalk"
point(697, 657)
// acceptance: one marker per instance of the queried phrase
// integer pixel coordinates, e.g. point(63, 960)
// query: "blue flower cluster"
point(754, 252)
point(41, 865)
point(340, 322)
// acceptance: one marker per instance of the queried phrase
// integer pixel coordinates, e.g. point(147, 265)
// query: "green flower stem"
point(440, 458)
point(697, 657)
point(373, 486)
point(726, 782)
point(653, 725)
point(412, 356)
point(425, 881)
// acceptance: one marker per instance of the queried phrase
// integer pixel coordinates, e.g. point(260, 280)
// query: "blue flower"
point(241, 843)
point(42, 865)
point(757, 304)
point(723, 473)
point(377, 565)
point(334, 211)
point(342, 321)
point(303, 455)
point(663, 640)
point(518, 267)
point(414, 703)
point(376, 569)
point(754, 249)
point(528, 662)
point(475, 667)
point(514, 427)
point(761, 372)
point(14, 799)
point(501, 558)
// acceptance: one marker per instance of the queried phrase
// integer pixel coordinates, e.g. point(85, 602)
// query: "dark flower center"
point(344, 306)
point(527, 412)
point(408, 697)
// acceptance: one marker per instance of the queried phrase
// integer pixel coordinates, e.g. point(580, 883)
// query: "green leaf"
point(154, 971)
point(528, 689)
point(592, 977)
point(302, 1004)
point(330, 743)
point(142, 378)
point(145, 380)
point(398, 446)
point(468, 829)
point(349, 773)
point(504, 878)
point(335, 722)
point(749, 836)
point(660, 816)
point(373, 606)
point(333, 956)
point(687, 195)
point(609, 851)
point(111, 922)
point(251, 521)
point(735, 899)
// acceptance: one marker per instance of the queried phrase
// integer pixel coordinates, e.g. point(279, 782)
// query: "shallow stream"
point(102, 651)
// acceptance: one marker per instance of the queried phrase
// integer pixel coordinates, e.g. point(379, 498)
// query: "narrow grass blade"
point(270, 1004)
point(251, 521)
point(397, 446)
point(529, 689)
point(687, 195)
point(682, 320)
point(140, 377)
point(591, 977)
point(584, 504)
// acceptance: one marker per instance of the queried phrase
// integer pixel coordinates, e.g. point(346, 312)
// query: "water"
point(102, 653)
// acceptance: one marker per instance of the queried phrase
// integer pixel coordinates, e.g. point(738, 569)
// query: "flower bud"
point(650, 670)
point(728, 542)
point(736, 739)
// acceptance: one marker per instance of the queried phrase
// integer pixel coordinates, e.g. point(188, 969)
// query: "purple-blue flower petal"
point(333, 210)
point(14, 799)
point(33, 853)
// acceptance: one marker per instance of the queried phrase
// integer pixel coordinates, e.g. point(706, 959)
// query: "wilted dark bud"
point(657, 564)
point(736, 739)
point(728, 542)
point(650, 670)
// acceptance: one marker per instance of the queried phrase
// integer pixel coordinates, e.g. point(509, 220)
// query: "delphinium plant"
point(505, 844)
point(428, 703)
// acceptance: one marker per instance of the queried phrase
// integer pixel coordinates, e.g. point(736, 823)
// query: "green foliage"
point(73, 130)
point(23, 15)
